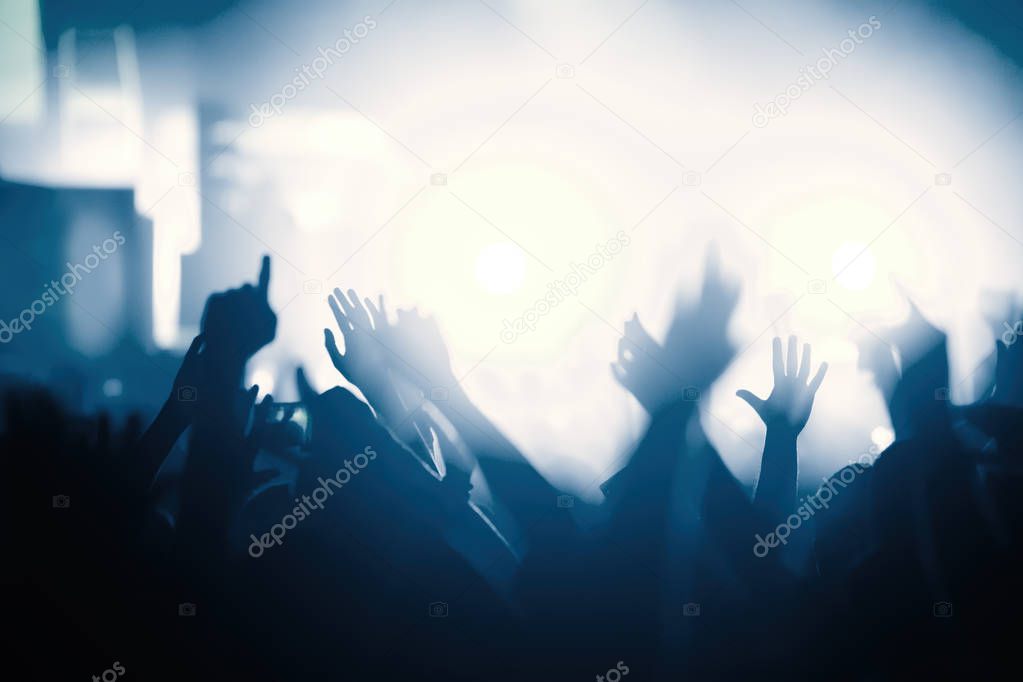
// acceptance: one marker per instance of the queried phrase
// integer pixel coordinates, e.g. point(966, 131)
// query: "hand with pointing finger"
point(238, 322)
point(789, 404)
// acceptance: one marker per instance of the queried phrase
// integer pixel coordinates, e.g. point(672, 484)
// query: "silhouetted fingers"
point(346, 305)
point(711, 267)
point(804, 366)
point(753, 401)
point(342, 320)
point(779, 363)
point(332, 351)
point(625, 353)
point(374, 313)
point(249, 398)
point(637, 333)
point(263, 409)
point(360, 318)
point(793, 350)
point(264, 276)
point(818, 378)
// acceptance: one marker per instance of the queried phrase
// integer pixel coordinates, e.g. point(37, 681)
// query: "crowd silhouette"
point(403, 536)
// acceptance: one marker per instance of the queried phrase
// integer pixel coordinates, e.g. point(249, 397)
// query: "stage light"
point(853, 266)
point(500, 268)
point(471, 189)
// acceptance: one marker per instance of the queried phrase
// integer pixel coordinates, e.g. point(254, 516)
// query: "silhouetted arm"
point(174, 417)
point(412, 349)
point(217, 474)
point(369, 359)
point(785, 412)
point(668, 381)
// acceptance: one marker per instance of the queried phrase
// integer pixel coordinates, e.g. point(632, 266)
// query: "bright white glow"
point(264, 378)
point(650, 134)
point(100, 117)
point(620, 143)
point(315, 210)
point(169, 196)
point(558, 227)
point(22, 64)
point(500, 268)
point(882, 437)
point(853, 266)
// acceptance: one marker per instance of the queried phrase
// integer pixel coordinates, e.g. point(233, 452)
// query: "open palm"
point(366, 357)
point(791, 400)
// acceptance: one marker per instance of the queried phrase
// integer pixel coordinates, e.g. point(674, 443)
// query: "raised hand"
point(696, 349)
point(788, 407)
point(916, 337)
point(238, 322)
point(918, 404)
point(189, 377)
point(366, 355)
point(697, 340)
point(174, 417)
point(641, 367)
point(877, 357)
